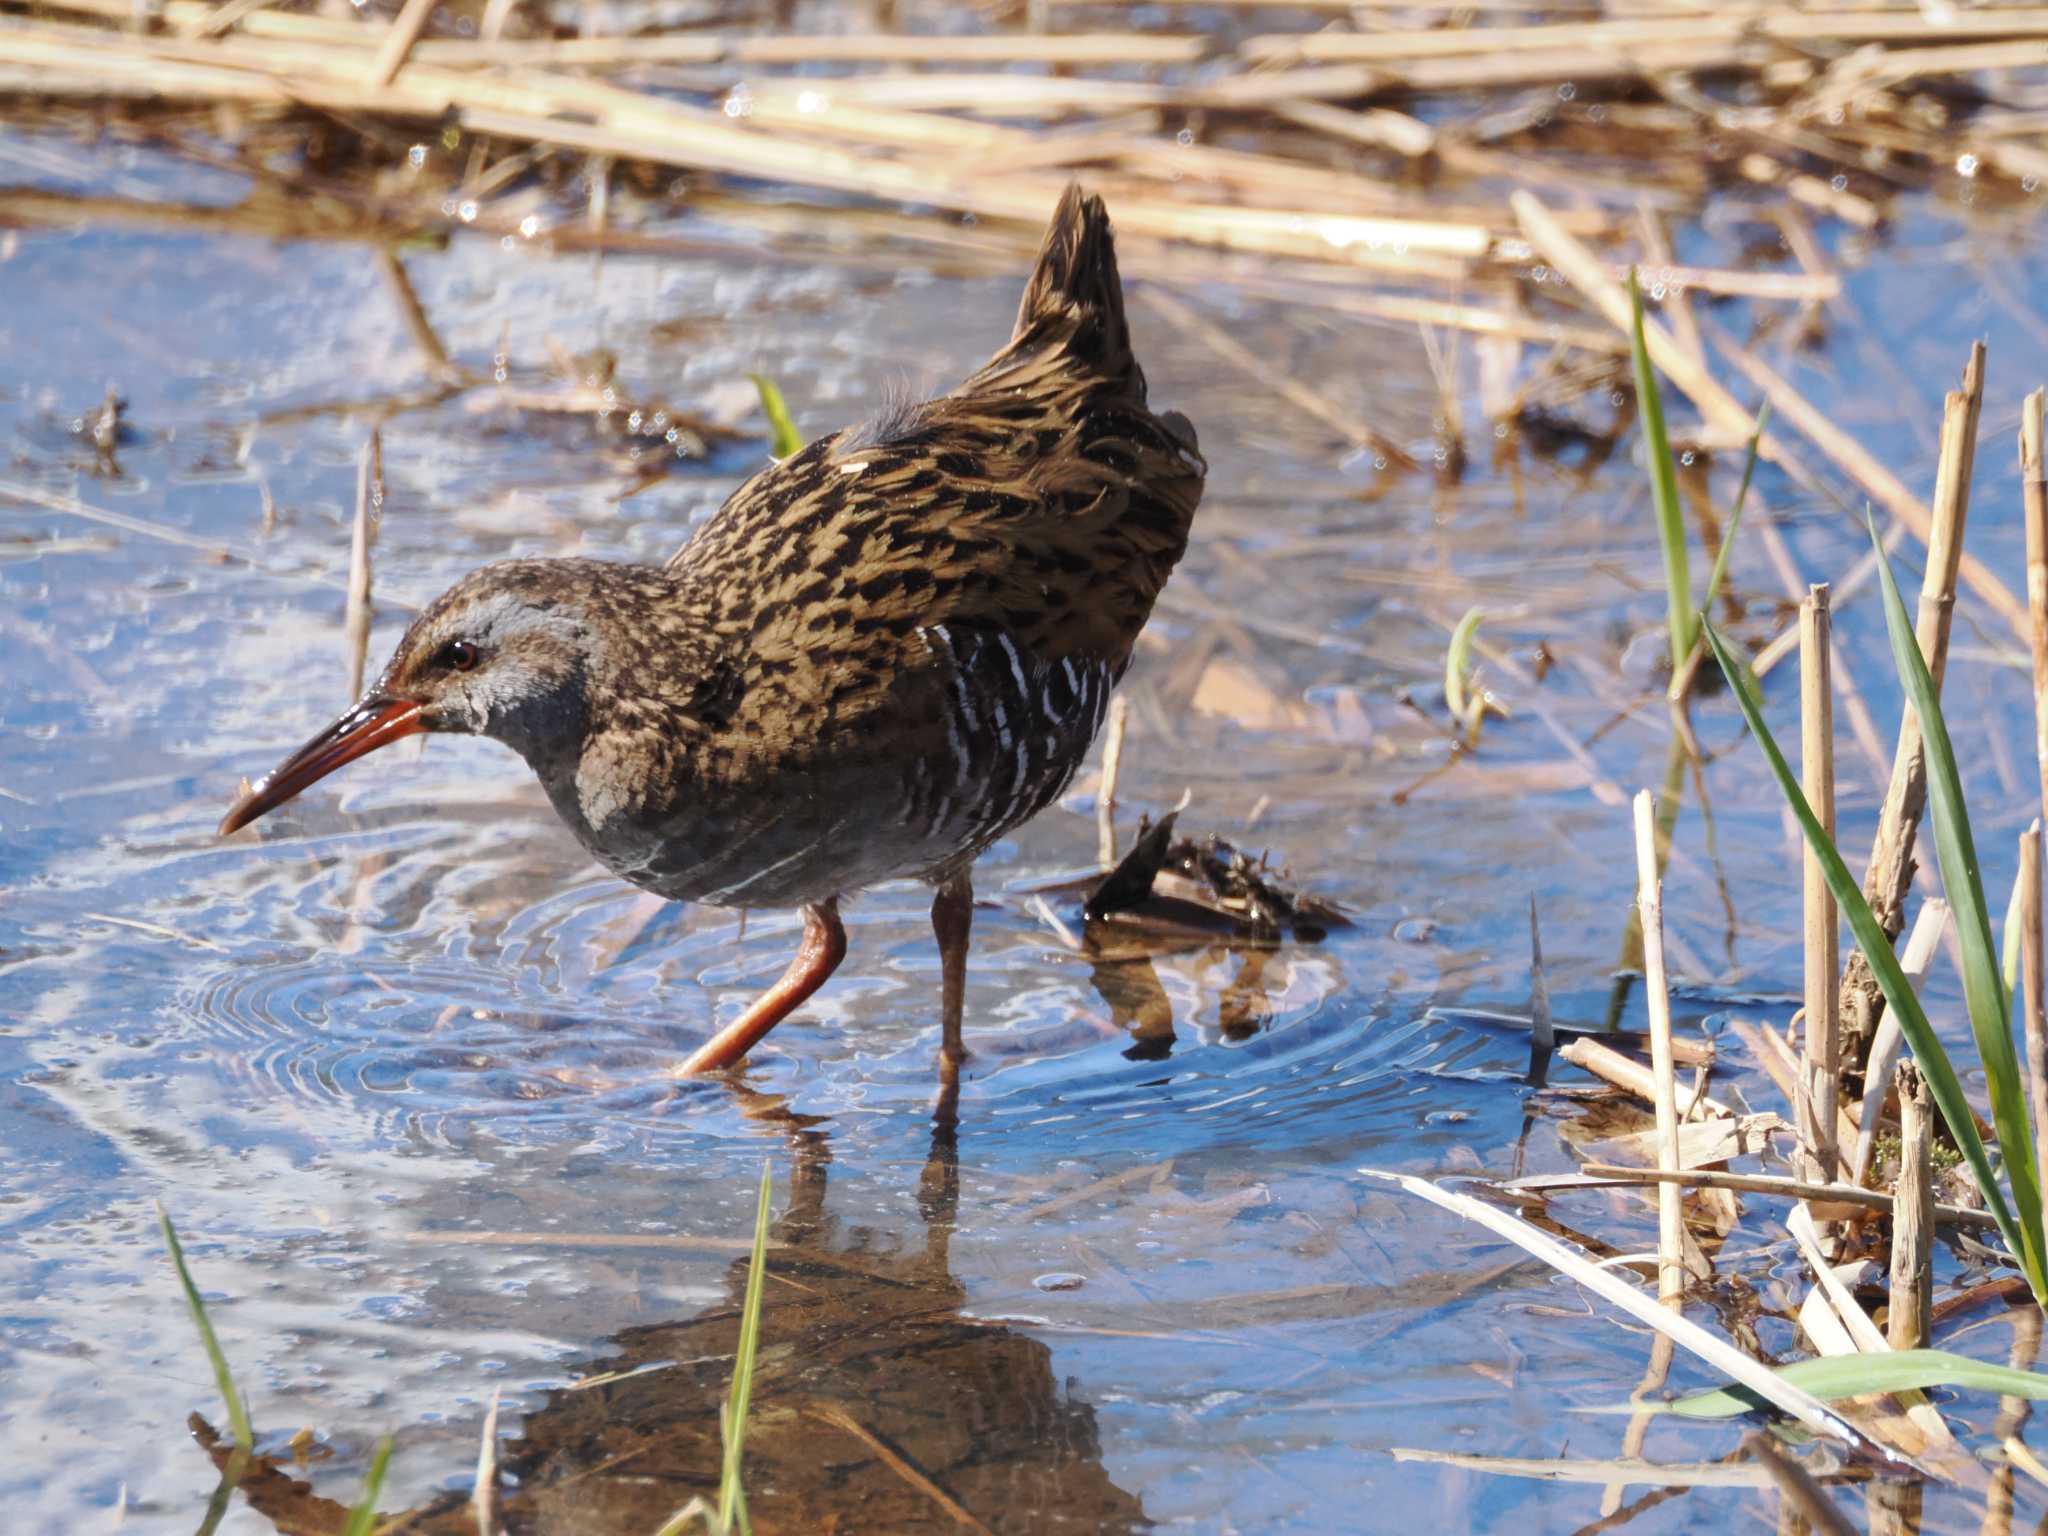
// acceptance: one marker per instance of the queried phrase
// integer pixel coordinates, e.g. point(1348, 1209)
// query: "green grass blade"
point(1904, 1002)
point(1838, 1376)
point(1983, 987)
point(1720, 570)
point(732, 1497)
point(1684, 622)
point(1458, 666)
point(223, 1492)
point(783, 437)
point(238, 1410)
point(362, 1520)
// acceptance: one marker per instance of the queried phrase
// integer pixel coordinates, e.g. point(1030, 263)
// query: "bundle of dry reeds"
point(1333, 147)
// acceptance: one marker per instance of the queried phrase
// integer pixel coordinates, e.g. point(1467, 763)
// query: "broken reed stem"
point(1879, 483)
point(1112, 761)
point(1822, 928)
point(1589, 275)
point(483, 1493)
point(1911, 1320)
point(1650, 903)
point(2036, 1029)
point(2034, 503)
point(1890, 873)
point(405, 31)
point(1609, 1065)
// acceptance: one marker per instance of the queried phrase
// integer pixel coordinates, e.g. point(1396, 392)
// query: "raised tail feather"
point(1074, 299)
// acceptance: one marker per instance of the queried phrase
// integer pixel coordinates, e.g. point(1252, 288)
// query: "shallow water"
point(396, 1063)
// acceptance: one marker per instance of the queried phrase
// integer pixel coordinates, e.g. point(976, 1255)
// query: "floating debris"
point(1195, 883)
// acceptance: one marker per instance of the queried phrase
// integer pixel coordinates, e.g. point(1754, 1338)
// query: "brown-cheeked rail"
point(878, 657)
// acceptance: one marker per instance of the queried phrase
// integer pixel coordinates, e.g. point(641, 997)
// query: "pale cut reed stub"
point(1911, 1320)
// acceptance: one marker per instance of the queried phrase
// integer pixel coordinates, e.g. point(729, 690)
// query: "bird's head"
point(508, 652)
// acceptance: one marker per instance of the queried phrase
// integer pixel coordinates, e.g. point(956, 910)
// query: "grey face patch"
point(533, 657)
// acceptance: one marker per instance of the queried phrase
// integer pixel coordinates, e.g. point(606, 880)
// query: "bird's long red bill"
point(374, 722)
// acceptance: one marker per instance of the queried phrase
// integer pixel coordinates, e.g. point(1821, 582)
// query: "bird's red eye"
point(459, 656)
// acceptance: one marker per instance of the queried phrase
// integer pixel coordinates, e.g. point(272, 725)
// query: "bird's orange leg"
point(824, 946)
point(952, 916)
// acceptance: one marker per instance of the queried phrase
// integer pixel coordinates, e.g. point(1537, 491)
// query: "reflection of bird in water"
point(878, 1406)
point(1204, 899)
point(877, 658)
point(1126, 978)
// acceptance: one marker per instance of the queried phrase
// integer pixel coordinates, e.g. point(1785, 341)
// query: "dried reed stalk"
point(1663, 1476)
point(1701, 1143)
point(398, 42)
point(1890, 872)
point(1590, 276)
point(1921, 1429)
point(1821, 1195)
point(1406, 309)
point(1879, 483)
point(1867, 73)
point(1823, 196)
point(536, 106)
point(1603, 44)
point(1650, 906)
point(483, 1488)
point(1821, 925)
point(1911, 1322)
point(1448, 42)
point(224, 17)
point(1376, 126)
point(938, 48)
point(1657, 254)
point(1609, 1065)
point(1612, 1288)
point(1541, 66)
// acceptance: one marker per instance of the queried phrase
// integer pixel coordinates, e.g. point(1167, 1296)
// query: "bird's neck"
point(649, 665)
